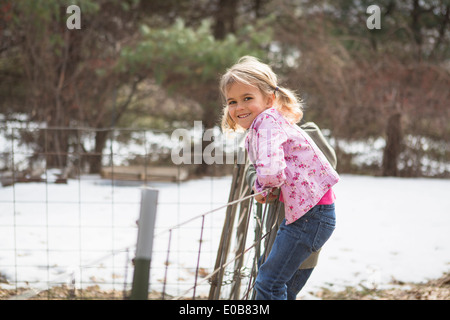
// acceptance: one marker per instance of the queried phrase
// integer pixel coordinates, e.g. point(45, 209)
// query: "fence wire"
point(212, 255)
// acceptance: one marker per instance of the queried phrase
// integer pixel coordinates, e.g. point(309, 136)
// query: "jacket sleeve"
point(267, 154)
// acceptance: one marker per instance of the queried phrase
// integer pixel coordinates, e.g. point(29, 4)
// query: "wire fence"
point(66, 233)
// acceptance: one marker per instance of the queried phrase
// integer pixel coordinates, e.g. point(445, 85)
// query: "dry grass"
point(437, 289)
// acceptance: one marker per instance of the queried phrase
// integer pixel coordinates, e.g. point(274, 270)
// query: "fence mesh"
point(66, 233)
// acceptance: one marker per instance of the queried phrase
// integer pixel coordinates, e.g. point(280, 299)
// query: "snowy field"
point(387, 228)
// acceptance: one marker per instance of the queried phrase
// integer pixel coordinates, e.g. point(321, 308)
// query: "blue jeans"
point(297, 282)
point(293, 244)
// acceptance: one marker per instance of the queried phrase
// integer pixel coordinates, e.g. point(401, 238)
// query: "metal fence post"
point(146, 227)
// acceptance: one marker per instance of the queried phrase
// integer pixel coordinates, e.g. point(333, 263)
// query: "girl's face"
point(245, 103)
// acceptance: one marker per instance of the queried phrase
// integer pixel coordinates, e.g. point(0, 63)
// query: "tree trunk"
point(56, 144)
point(225, 18)
point(393, 145)
point(95, 160)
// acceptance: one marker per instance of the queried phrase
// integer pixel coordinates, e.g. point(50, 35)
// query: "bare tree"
point(362, 84)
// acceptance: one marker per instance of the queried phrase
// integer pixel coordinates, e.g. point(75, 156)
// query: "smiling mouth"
point(242, 116)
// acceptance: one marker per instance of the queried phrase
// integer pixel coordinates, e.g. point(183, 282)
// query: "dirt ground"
point(437, 289)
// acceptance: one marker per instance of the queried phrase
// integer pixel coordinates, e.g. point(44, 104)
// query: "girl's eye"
point(247, 98)
point(231, 102)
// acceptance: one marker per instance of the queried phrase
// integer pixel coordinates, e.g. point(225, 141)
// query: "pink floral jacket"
point(285, 156)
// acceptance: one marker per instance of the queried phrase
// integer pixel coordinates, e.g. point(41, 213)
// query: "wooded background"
point(156, 64)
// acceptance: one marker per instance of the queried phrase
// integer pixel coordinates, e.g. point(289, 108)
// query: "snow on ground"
point(386, 228)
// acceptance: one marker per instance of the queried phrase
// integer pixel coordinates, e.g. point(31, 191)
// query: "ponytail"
point(290, 106)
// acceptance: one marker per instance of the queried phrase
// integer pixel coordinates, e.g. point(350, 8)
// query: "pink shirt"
point(328, 198)
point(285, 156)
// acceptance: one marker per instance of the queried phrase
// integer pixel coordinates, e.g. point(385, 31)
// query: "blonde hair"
point(250, 71)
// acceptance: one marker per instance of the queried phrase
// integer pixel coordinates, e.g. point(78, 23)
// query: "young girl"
point(285, 157)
